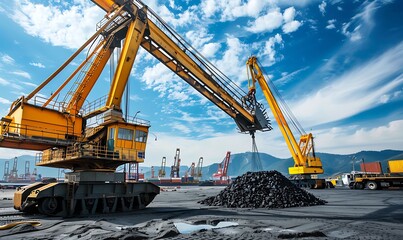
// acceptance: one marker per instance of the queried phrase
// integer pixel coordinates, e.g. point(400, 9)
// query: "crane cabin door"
point(111, 139)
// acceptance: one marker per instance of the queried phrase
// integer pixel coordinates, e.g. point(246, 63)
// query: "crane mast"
point(303, 153)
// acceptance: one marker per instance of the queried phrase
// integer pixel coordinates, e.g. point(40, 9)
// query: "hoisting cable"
point(256, 162)
point(283, 105)
point(226, 82)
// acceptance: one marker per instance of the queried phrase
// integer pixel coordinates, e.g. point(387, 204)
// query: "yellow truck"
point(393, 178)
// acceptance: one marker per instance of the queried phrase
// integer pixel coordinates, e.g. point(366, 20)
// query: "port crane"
point(6, 170)
point(161, 171)
point(222, 172)
point(60, 126)
point(176, 166)
point(306, 163)
point(199, 169)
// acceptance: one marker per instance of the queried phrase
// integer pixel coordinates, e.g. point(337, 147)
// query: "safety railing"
point(87, 151)
point(35, 134)
point(40, 101)
point(94, 105)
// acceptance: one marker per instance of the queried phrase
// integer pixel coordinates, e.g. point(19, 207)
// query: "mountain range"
point(240, 163)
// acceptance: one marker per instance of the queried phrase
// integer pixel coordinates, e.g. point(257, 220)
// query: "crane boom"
point(167, 46)
point(303, 153)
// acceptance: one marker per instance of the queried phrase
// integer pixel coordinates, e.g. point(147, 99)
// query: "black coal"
point(265, 189)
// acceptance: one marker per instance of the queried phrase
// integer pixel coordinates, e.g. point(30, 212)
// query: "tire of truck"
point(359, 185)
point(372, 185)
point(351, 185)
point(329, 185)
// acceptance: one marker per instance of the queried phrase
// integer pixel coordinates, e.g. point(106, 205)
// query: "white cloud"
point(7, 59)
point(353, 35)
point(289, 14)
point(39, 65)
point(3, 82)
point(4, 101)
point(362, 23)
point(22, 74)
point(199, 37)
point(67, 26)
point(273, 19)
point(210, 49)
point(135, 98)
point(286, 77)
point(330, 24)
point(8, 153)
point(30, 84)
point(268, 22)
point(355, 91)
point(270, 51)
point(322, 8)
point(355, 138)
point(291, 26)
point(181, 128)
point(233, 60)
point(11, 84)
point(228, 10)
point(166, 83)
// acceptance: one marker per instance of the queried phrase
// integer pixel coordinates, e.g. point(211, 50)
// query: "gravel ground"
point(175, 214)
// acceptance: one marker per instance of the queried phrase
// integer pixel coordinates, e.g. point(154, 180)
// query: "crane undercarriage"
point(85, 193)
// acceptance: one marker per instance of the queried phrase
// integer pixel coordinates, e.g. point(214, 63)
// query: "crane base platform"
point(80, 197)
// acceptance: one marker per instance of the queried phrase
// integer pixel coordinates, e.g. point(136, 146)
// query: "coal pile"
point(266, 189)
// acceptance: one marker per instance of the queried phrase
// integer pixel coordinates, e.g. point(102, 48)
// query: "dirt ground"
point(175, 214)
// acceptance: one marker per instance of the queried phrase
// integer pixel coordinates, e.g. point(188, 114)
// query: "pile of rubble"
point(266, 189)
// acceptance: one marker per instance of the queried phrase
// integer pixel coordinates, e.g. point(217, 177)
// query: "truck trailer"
point(392, 178)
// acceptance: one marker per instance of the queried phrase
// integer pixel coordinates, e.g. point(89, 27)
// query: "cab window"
point(141, 136)
point(125, 134)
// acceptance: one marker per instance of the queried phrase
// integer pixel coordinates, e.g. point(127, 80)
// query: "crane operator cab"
point(104, 147)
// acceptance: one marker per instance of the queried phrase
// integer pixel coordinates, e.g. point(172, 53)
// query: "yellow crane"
point(60, 129)
point(306, 163)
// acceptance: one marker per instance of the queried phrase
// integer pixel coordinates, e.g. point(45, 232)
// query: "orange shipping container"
point(371, 167)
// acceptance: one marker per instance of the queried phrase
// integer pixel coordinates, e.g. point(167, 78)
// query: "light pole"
point(135, 115)
point(154, 136)
point(353, 158)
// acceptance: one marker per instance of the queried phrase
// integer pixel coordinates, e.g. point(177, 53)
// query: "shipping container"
point(371, 167)
point(395, 166)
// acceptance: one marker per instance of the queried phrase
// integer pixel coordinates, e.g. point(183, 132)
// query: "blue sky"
point(338, 65)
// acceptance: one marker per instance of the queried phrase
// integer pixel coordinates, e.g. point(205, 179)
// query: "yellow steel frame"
point(189, 67)
point(133, 39)
point(304, 161)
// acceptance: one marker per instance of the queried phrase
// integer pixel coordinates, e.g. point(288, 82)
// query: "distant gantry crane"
point(14, 171)
point(27, 174)
point(6, 171)
point(199, 169)
point(222, 171)
point(152, 172)
point(161, 171)
point(176, 166)
point(190, 172)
